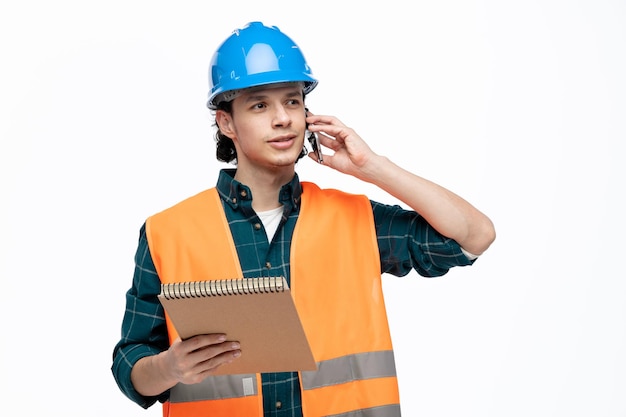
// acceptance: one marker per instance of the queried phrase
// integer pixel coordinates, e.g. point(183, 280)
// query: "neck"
point(265, 186)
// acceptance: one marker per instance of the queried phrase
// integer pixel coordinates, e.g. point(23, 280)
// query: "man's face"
point(267, 126)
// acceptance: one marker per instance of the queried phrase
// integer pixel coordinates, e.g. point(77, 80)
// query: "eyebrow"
point(260, 96)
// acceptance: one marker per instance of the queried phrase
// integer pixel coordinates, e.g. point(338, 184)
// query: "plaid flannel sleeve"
point(407, 242)
point(144, 332)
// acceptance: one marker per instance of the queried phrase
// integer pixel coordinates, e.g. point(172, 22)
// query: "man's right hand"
point(189, 361)
point(192, 360)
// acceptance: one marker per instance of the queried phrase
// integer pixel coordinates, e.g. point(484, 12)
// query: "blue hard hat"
point(256, 55)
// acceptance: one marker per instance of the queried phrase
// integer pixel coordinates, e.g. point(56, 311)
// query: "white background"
point(518, 106)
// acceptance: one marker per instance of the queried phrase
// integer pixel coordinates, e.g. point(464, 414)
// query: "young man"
point(267, 223)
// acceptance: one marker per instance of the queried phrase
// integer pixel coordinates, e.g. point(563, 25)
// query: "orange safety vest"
point(337, 289)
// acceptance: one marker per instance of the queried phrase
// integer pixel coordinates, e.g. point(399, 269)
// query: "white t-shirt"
point(271, 220)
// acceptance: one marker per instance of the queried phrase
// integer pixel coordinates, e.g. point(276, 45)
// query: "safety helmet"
point(252, 56)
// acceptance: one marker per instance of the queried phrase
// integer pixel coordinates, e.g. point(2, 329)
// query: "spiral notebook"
point(257, 312)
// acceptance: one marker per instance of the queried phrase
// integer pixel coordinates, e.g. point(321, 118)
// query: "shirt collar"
point(239, 196)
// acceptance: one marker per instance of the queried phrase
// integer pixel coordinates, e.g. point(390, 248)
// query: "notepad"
point(258, 312)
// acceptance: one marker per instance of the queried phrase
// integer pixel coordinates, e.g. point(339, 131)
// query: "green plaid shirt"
point(406, 242)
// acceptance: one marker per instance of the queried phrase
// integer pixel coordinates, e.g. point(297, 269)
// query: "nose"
point(282, 118)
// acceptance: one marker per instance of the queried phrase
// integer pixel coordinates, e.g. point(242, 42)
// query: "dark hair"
point(225, 151)
point(225, 148)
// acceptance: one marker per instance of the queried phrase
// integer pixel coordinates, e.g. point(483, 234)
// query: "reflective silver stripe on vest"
point(215, 388)
point(350, 368)
point(384, 411)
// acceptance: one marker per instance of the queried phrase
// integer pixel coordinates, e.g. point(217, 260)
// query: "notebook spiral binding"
point(216, 288)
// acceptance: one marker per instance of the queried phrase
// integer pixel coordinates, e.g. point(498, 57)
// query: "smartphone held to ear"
point(315, 145)
point(315, 142)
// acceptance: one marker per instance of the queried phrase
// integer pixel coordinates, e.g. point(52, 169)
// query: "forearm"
point(448, 213)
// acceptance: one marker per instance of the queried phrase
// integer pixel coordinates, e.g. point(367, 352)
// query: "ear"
point(225, 122)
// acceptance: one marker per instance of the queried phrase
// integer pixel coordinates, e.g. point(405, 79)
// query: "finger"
point(213, 362)
point(331, 143)
point(228, 355)
point(338, 132)
point(216, 350)
point(325, 120)
point(203, 340)
point(313, 156)
point(212, 354)
point(199, 371)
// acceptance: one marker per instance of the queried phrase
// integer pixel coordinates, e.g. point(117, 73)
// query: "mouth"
point(282, 142)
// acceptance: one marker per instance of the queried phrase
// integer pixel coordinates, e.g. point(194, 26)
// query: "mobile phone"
point(315, 144)
point(314, 141)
